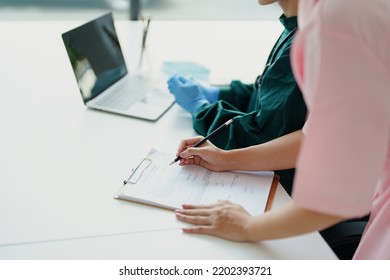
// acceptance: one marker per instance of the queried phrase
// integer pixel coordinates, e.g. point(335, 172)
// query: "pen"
point(144, 36)
point(197, 144)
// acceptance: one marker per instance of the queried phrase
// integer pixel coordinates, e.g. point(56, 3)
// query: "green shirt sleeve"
point(273, 110)
point(237, 94)
point(259, 115)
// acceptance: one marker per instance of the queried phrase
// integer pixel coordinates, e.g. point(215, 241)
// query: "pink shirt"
point(341, 59)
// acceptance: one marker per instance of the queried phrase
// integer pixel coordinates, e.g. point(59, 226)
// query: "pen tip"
point(172, 162)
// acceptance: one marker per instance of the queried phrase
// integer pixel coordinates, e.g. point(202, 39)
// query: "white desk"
point(60, 163)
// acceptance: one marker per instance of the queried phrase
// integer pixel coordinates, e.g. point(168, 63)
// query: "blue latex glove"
point(211, 93)
point(188, 93)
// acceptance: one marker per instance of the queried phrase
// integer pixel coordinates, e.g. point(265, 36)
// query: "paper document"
point(156, 182)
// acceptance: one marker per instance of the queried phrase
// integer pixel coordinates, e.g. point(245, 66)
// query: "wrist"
point(236, 160)
point(212, 94)
point(229, 161)
point(198, 104)
point(250, 230)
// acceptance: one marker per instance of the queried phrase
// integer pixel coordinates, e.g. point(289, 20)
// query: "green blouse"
point(260, 114)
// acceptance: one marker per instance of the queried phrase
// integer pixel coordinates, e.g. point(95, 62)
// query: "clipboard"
point(156, 183)
point(272, 192)
point(137, 172)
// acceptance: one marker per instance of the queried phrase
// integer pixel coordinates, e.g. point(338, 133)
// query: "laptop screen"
point(95, 55)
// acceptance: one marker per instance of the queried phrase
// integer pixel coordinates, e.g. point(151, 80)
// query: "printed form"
point(157, 183)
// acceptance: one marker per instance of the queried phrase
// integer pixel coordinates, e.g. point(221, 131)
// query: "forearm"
point(288, 221)
point(278, 154)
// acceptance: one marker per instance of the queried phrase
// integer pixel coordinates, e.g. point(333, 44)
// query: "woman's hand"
point(223, 219)
point(207, 155)
point(188, 93)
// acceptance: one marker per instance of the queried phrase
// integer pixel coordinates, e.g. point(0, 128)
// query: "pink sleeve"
point(348, 128)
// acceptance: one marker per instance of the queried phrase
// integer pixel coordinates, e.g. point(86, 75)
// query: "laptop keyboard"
point(127, 94)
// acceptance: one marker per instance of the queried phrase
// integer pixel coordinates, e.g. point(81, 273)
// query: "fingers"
point(178, 80)
point(192, 152)
point(195, 160)
point(200, 230)
point(202, 217)
point(190, 161)
point(195, 220)
point(185, 79)
point(173, 82)
point(184, 144)
point(192, 206)
point(199, 156)
point(171, 86)
point(224, 219)
point(195, 214)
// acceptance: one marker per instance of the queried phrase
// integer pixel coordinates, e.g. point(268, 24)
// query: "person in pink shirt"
point(341, 60)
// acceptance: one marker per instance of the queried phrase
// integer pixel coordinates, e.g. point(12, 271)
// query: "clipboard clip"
point(136, 173)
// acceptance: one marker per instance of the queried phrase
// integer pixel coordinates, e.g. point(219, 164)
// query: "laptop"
point(102, 76)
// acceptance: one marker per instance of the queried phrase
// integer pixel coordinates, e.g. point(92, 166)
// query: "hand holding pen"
point(186, 145)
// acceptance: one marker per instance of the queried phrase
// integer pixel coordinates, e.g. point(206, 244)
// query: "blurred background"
point(130, 9)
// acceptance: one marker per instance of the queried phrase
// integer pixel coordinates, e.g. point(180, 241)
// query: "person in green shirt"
point(271, 107)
